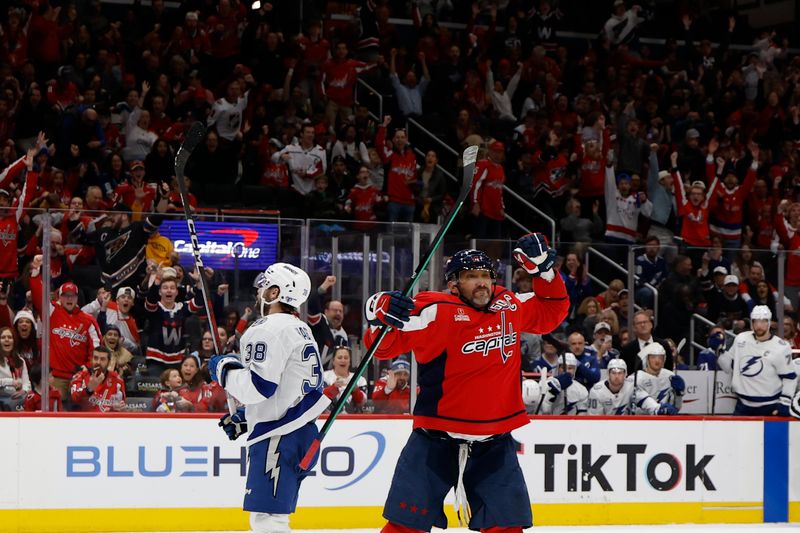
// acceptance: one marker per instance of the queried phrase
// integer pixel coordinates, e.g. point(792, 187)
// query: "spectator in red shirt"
point(487, 193)
point(362, 200)
point(401, 176)
point(195, 388)
point(339, 376)
point(73, 333)
point(33, 402)
point(392, 394)
point(339, 76)
point(98, 388)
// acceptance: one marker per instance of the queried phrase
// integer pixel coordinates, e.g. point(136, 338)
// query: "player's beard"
point(480, 297)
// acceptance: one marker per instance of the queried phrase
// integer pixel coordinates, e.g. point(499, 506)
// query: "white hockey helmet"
point(570, 359)
point(531, 392)
point(295, 285)
point(760, 312)
point(654, 348)
point(617, 364)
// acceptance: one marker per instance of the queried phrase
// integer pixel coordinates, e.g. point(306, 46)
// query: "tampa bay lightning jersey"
point(604, 402)
point(762, 371)
point(573, 401)
point(281, 383)
point(658, 387)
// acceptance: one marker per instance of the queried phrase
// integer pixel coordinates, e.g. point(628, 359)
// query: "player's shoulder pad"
point(781, 342)
point(598, 386)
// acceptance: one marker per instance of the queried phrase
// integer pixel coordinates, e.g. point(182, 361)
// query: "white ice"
point(703, 528)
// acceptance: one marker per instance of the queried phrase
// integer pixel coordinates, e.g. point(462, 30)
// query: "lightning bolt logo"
point(752, 367)
point(273, 468)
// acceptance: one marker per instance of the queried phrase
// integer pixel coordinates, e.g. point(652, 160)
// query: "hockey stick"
point(193, 138)
point(469, 157)
point(714, 386)
point(678, 349)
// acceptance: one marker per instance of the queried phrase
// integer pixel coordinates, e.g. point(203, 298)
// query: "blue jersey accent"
point(706, 360)
point(292, 414)
point(265, 387)
point(273, 478)
point(431, 378)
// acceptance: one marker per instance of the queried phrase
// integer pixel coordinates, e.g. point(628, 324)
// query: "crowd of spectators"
point(689, 149)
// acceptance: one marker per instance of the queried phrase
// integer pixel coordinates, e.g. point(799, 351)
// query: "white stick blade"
point(470, 155)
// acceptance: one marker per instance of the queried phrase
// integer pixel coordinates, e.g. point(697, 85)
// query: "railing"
point(626, 272)
point(513, 194)
point(373, 92)
point(692, 329)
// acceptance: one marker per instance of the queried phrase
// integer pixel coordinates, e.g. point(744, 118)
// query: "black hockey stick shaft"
point(193, 137)
point(714, 385)
point(469, 157)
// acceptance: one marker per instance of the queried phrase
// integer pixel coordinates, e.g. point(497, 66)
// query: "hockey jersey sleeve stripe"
point(421, 321)
point(790, 375)
point(264, 387)
point(292, 414)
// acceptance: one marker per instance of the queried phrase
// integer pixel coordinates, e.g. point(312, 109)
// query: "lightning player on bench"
point(659, 383)
point(617, 395)
point(278, 378)
point(564, 395)
point(467, 345)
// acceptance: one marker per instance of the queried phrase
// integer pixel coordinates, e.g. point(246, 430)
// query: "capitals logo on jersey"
point(113, 246)
point(75, 336)
point(495, 338)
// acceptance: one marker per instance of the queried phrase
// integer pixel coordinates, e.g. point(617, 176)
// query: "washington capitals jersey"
point(281, 382)
point(604, 402)
point(763, 372)
point(469, 360)
point(573, 401)
point(658, 387)
point(165, 328)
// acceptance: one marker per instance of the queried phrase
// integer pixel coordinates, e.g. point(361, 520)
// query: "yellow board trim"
point(794, 511)
point(107, 520)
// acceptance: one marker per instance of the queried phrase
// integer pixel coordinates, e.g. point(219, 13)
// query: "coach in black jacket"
point(643, 336)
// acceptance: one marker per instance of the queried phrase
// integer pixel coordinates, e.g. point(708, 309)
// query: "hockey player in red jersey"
point(466, 342)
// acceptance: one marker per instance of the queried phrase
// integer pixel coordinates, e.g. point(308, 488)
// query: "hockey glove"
point(391, 308)
point(235, 425)
point(559, 383)
point(716, 340)
point(534, 254)
point(219, 365)
point(794, 409)
point(678, 385)
point(667, 409)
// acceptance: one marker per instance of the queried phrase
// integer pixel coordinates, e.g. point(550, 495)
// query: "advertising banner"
point(226, 245)
point(578, 470)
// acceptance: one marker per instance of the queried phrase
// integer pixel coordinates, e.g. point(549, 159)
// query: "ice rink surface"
point(703, 528)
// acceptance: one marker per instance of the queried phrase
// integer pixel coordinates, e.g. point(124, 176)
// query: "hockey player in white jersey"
point(563, 395)
point(659, 383)
point(617, 396)
point(278, 378)
point(763, 373)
